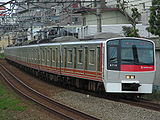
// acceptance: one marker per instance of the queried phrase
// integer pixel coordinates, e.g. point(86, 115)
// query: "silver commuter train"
point(118, 65)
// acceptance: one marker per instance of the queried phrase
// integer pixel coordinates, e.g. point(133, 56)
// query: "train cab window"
point(113, 42)
point(80, 53)
point(113, 58)
point(69, 56)
point(113, 55)
point(91, 57)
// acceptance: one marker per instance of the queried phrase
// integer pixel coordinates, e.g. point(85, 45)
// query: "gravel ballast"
point(105, 109)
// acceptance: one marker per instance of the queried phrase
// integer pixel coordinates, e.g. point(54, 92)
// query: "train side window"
point(92, 57)
point(48, 56)
point(57, 55)
point(53, 55)
point(98, 58)
point(80, 61)
point(70, 56)
point(86, 58)
point(43, 56)
point(51, 52)
point(75, 56)
point(65, 57)
point(36, 55)
point(32, 52)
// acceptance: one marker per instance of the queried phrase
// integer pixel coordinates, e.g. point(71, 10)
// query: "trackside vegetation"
point(155, 96)
point(9, 104)
point(1, 55)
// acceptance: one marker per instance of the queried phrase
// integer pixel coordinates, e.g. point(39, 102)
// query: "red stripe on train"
point(137, 68)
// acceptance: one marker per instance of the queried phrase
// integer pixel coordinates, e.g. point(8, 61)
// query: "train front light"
point(130, 76)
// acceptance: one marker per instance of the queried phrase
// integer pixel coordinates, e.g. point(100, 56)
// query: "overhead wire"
point(65, 9)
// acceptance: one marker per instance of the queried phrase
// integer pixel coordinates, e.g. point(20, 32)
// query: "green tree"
point(154, 22)
point(132, 31)
point(135, 15)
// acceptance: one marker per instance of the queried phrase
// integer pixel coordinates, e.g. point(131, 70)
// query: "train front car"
point(129, 65)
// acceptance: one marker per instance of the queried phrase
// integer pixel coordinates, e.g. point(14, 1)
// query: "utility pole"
point(99, 17)
point(30, 20)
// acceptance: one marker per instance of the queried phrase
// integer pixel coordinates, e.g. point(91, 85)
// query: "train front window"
point(129, 52)
point(137, 52)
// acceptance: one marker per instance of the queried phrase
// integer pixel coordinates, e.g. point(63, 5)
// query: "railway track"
point(54, 107)
point(139, 103)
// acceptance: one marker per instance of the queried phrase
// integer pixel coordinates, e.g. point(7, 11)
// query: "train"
point(115, 65)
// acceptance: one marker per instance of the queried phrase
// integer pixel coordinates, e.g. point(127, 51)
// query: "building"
point(115, 14)
point(5, 40)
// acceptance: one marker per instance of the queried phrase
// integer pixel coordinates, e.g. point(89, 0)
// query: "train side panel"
point(82, 61)
point(50, 58)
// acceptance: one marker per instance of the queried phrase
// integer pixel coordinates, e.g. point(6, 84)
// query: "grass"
point(155, 96)
point(1, 55)
point(9, 104)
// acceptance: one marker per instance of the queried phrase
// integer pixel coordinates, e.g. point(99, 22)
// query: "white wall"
point(114, 28)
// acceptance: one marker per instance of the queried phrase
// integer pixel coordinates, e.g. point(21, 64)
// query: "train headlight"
point(127, 76)
point(130, 76)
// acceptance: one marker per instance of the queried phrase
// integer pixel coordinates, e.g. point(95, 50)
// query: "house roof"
point(85, 10)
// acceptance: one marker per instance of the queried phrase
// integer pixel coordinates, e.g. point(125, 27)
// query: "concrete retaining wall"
point(157, 76)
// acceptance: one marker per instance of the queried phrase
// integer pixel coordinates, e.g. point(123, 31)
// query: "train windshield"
point(137, 52)
point(127, 53)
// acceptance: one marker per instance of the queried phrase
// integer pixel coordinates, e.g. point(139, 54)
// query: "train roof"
point(80, 42)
